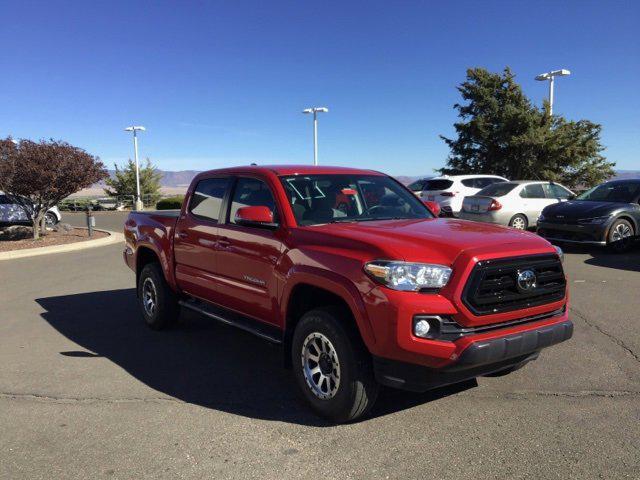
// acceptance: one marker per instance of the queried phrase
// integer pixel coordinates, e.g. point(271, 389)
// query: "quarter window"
point(207, 198)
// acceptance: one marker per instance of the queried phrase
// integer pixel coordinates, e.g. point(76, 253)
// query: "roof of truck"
point(297, 170)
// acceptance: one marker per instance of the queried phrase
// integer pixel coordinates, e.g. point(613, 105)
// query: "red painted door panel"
point(196, 237)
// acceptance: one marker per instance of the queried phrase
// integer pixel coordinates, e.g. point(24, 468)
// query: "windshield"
point(613, 192)
point(497, 189)
point(317, 199)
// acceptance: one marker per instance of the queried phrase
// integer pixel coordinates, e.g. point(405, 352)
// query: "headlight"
point(408, 276)
point(541, 218)
point(594, 221)
point(559, 252)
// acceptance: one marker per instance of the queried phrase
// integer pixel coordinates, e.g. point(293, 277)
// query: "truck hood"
point(436, 240)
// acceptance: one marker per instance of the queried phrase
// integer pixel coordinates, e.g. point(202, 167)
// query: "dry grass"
point(20, 238)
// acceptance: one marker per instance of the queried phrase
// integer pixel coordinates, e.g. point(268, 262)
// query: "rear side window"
point(437, 184)
point(207, 198)
point(497, 189)
point(251, 192)
point(486, 181)
point(4, 200)
point(533, 191)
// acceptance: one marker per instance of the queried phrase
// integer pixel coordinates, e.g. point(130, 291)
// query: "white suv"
point(13, 214)
point(449, 191)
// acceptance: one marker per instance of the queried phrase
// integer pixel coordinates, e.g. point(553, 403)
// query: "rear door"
point(247, 256)
point(533, 201)
point(196, 236)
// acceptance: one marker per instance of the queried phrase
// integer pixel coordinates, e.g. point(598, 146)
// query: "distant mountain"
point(620, 174)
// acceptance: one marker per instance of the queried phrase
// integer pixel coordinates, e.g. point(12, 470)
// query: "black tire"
point(357, 389)
point(166, 308)
point(520, 220)
point(50, 219)
point(614, 242)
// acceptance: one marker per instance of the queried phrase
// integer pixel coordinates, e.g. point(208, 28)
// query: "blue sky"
point(223, 83)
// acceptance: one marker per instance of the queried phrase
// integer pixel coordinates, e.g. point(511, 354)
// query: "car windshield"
point(318, 199)
point(627, 192)
point(497, 189)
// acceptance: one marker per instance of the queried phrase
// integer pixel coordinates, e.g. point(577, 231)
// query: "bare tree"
point(38, 175)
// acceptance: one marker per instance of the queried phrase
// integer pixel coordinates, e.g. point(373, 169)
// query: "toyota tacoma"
point(356, 278)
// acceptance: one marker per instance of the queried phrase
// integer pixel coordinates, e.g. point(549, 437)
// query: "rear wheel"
point(519, 222)
point(332, 367)
point(50, 219)
point(620, 235)
point(158, 302)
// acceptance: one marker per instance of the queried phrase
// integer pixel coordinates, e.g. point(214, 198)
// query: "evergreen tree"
point(124, 181)
point(500, 132)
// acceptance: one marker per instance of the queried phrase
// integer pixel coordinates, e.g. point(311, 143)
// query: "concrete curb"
point(113, 238)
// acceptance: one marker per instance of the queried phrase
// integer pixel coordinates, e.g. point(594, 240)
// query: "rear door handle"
point(223, 242)
point(182, 235)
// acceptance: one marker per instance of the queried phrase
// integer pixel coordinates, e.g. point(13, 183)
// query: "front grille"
point(493, 285)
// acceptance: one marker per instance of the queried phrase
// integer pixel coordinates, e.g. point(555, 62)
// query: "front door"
point(247, 256)
point(534, 201)
point(195, 238)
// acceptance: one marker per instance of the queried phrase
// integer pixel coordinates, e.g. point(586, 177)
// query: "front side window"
point(207, 198)
point(556, 191)
point(251, 192)
point(318, 199)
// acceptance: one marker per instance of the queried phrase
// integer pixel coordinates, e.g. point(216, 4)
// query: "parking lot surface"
point(87, 391)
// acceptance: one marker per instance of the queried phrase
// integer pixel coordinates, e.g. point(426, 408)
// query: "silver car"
point(13, 214)
point(517, 204)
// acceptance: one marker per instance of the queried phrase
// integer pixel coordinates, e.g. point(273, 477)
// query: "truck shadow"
point(199, 361)
point(601, 257)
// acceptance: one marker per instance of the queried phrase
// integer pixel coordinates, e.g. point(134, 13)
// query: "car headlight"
point(594, 220)
point(559, 252)
point(541, 218)
point(408, 276)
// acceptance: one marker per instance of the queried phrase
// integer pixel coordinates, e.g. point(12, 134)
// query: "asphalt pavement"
point(86, 391)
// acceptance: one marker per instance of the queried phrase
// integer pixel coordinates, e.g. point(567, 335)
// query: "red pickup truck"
point(355, 277)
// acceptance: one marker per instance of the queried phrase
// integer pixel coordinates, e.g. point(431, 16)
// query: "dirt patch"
point(20, 238)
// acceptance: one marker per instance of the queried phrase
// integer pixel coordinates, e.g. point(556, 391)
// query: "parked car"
point(449, 191)
point(377, 292)
point(608, 214)
point(418, 186)
point(517, 204)
point(13, 214)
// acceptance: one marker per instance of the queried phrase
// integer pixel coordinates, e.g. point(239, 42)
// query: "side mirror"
point(434, 207)
point(258, 216)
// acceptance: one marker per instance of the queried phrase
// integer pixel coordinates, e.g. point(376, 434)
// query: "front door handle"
point(223, 242)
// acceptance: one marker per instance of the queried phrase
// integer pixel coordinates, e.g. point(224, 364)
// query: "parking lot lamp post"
point(134, 129)
point(550, 76)
point(315, 111)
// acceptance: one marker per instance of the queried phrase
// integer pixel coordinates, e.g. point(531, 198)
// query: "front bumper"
point(574, 233)
point(479, 358)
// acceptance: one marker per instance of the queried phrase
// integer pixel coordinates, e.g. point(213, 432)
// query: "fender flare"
point(334, 283)
point(151, 243)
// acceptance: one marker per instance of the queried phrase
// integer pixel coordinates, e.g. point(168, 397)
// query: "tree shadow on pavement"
point(199, 361)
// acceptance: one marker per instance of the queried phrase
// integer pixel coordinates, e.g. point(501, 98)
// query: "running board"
point(268, 332)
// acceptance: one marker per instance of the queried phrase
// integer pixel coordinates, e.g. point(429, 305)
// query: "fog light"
point(421, 328)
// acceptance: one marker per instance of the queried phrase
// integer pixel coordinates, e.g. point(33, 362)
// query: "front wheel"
point(332, 367)
point(158, 302)
point(50, 219)
point(620, 236)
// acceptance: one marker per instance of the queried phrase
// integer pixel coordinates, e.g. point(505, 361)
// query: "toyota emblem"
point(526, 280)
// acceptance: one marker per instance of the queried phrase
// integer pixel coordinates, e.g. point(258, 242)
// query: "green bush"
point(170, 203)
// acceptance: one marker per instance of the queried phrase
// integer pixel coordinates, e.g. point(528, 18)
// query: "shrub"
point(170, 203)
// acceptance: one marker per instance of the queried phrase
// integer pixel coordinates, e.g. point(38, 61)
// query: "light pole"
point(134, 129)
point(315, 111)
point(550, 76)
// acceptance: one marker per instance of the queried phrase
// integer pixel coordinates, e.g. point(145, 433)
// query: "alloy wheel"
point(518, 223)
point(320, 366)
point(149, 297)
point(621, 232)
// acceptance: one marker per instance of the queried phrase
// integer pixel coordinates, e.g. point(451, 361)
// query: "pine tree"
point(124, 181)
point(500, 132)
